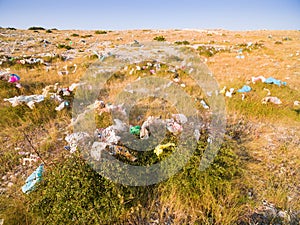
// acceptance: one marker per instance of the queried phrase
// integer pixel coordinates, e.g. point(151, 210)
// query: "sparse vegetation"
point(36, 28)
point(253, 180)
point(207, 51)
point(100, 32)
point(87, 36)
point(68, 47)
point(75, 35)
point(159, 38)
point(181, 43)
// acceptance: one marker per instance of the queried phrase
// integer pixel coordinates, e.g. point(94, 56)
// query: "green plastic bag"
point(135, 130)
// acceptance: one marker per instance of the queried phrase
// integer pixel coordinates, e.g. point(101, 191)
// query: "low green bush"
point(36, 28)
point(159, 38)
point(100, 32)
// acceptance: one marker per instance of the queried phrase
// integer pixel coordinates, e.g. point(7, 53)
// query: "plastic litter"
point(135, 130)
point(32, 158)
point(259, 78)
point(120, 150)
point(119, 125)
point(174, 127)
point(96, 150)
point(74, 138)
point(203, 103)
point(272, 80)
point(243, 97)
point(296, 103)
point(4, 75)
point(62, 105)
point(108, 135)
point(33, 179)
point(30, 100)
point(245, 88)
point(223, 91)
point(13, 78)
point(74, 85)
point(229, 93)
point(269, 92)
point(197, 134)
point(240, 56)
point(47, 89)
point(160, 148)
point(144, 132)
point(274, 100)
point(180, 118)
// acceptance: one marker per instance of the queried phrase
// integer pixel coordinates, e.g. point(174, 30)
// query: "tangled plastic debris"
point(259, 78)
point(229, 93)
point(74, 138)
point(29, 100)
point(274, 100)
point(269, 80)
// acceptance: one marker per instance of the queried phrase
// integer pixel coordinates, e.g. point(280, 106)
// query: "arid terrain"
point(254, 180)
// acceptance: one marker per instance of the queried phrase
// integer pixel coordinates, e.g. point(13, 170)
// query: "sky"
point(154, 14)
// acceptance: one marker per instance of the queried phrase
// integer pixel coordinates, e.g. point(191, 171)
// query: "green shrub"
point(48, 31)
point(64, 46)
point(207, 51)
point(87, 36)
point(159, 38)
point(75, 35)
point(72, 192)
point(36, 28)
point(100, 32)
point(181, 43)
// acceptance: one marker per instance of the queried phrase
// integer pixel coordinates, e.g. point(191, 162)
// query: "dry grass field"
point(254, 180)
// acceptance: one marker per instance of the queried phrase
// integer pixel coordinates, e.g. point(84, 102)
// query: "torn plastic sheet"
point(108, 135)
point(30, 100)
point(272, 80)
point(145, 128)
point(203, 103)
point(274, 100)
point(97, 149)
point(229, 93)
point(180, 118)
point(174, 127)
point(74, 138)
point(33, 179)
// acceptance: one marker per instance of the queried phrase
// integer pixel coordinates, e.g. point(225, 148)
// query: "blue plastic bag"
point(245, 88)
point(34, 178)
point(272, 80)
